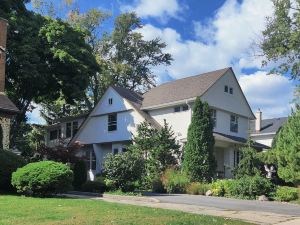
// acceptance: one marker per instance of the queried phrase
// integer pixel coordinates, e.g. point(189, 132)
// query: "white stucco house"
point(109, 128)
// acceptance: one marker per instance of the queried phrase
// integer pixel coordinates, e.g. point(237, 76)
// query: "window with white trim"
point(226, 89)
point(213, 114)
point(112, 122)
point(234, 123)
point(110, 101)
point(115, 151)
point(231, 90)
point(236, 158)
point(55, 134)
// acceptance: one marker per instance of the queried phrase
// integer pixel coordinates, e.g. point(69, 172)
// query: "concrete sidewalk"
point(265, 218)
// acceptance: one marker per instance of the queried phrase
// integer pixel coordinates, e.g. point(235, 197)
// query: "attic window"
point(226, 89)
point(231, 90)
point(110, 100)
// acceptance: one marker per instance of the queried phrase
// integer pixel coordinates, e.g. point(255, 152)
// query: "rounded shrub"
point(221, 187)
point(157, 185)
point(286, 194)
point(80, 174)
point(9, 163)
point(249, 187)
point(43, 178)
point(175, 181)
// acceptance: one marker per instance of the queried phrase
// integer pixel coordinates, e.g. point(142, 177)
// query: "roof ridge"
point(188, 77)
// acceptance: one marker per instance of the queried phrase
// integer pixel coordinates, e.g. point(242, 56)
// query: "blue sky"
point(204, 36)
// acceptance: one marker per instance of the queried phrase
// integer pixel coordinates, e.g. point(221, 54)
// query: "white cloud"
point(271, 93)
point(35, 117)
point(163, 9)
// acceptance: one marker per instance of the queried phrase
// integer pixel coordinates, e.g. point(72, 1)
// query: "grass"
point(45, 211)
point(119, 192)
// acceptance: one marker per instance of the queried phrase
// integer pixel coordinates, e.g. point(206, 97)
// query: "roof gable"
point(6, 105)
point(181, 89)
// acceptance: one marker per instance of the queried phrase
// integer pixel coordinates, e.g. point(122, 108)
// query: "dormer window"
point(110, 101)
point(231, 90)
point(226, 89)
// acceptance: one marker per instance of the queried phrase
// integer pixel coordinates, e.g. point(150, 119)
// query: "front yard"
point(24, 210)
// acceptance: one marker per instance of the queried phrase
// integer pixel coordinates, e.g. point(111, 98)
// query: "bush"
point(43, 178)
point(94, 186)
point(249, 187)
point(80, 174)
point(221, 187)
point(197, 188)
point(124, 170)
point(9, 163)
point(175, 181)
point(157, 186)
point(286, 194)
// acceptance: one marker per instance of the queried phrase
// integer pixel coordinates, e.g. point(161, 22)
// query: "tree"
point(280, 42)
point(287, 149)
point(198, 158)
point(249, 164)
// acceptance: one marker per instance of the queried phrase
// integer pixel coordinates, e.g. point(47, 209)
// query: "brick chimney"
point(3, 33)
point(258, 116)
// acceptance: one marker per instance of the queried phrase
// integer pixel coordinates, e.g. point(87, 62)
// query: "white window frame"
point(234, 123)
point(112, 123)
point(213, 113)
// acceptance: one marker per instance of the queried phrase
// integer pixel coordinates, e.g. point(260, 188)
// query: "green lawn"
point(23, 210)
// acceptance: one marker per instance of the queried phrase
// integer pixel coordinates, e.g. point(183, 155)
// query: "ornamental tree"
point(198, 158)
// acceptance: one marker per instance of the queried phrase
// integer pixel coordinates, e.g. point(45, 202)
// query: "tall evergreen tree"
point(287, 149)
point(199, 161)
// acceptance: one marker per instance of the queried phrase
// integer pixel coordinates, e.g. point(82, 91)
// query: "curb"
point(130, 198)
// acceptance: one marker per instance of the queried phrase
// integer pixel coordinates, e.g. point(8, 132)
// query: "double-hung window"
point(112, 122)
point(213, 113)
point(234, 125)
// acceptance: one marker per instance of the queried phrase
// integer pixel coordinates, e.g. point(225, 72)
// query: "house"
point(63, 129)
point(7, 109)
point(264, 131)
point(109, 128)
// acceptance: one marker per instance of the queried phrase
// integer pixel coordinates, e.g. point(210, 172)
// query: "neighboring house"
point(63, 129)
point(109, 128)
point(7, 108)
point(264, 131)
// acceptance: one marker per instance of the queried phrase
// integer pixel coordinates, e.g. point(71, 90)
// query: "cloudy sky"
point(209, 35)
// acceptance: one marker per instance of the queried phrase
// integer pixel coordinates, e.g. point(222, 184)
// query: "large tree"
point(198, 159)
point(280, 43)
point(287, 149)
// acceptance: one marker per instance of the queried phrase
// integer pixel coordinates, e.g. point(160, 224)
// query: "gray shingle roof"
point(181, 89)
point(6, 105)
point(268, 125)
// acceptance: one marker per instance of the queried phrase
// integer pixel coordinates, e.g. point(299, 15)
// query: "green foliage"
point(198, 159)
point(221, 187)
point(175, 181)
point(197, 188)
point(287, 149)
point(249, 187)
point(158, 147)
point(93, 186)
point(80, 174)
point(249, 164)
point(286, 194)
point(43, 178)
point(9, 163)
point(124, 170)
point(280, 38)
point(157, 185)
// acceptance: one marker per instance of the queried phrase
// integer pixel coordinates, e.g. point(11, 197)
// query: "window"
point(226, 89)
point(234, 124)
point(110, 100)
point(213, 113)
point(69, 130)
point(54, 134)
point(177, 109)
point(112, 122)
point(236, 157)
point(231, 90)
point(185, 107)
point(90, 159)
point(115, 151)
point(124, 149)
point(75, 127)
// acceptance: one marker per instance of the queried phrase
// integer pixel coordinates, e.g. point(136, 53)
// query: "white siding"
point(264, 139)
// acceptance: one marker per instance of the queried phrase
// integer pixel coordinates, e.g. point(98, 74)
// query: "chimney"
point(3, 33)
point(258, 116)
